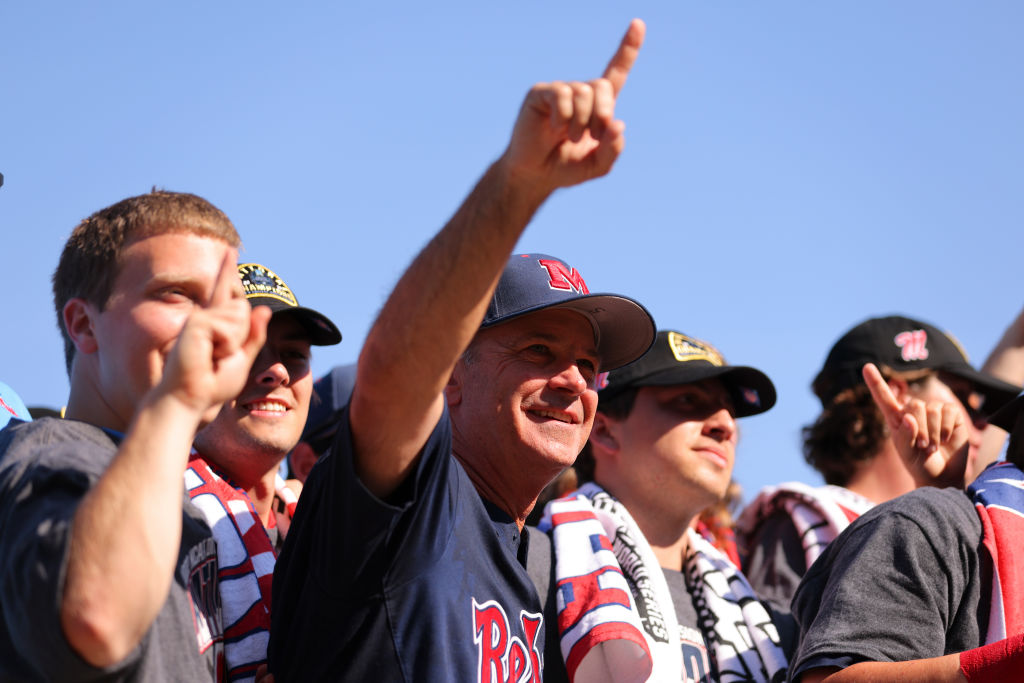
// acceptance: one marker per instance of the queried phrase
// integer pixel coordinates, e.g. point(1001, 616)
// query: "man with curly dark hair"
point(788, 526)
point(927, 586)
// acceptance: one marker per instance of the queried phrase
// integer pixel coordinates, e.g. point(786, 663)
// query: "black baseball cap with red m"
point(623, 329)
point(903, 344)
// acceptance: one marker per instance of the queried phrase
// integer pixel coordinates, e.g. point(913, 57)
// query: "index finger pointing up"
point(891, 409)
point(228, 284)
point(622, 61)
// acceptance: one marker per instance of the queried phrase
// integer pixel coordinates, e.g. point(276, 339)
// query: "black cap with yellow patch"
point(676, 358)
point(263, 287)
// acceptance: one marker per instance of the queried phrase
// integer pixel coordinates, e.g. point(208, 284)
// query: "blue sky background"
point(791, 168)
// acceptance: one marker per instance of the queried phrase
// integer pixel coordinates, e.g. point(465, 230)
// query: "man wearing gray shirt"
point(106, 572)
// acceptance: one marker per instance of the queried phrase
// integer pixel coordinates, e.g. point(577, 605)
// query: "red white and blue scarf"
point(998, 496)
point(602, 634)
point(246, 562)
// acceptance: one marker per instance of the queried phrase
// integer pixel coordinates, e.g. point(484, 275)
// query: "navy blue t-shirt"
point(431, 586)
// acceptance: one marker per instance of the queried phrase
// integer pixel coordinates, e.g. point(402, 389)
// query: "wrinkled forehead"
point(556, 324)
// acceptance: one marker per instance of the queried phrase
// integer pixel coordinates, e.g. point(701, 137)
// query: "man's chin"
point(270, 447)
point(560, 456)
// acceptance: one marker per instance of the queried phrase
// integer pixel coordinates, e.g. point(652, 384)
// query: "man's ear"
point(302, 458)
point(602, 436)
point(78, 317)
point(453, 390)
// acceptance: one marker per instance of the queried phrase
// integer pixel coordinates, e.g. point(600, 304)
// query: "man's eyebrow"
point(174, 278)
point(549, 337)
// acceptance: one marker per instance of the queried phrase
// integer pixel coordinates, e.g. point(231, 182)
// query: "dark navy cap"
point(1006, 416)
point(623, 329)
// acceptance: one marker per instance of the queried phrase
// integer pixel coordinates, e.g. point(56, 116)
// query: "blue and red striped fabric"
point(998, 495)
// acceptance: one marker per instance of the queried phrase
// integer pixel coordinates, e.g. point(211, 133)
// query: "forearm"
point(429, 319)
point(999, 661)
point(934, 670)
point(437, 305)
point(126, 534)
point(1006, 362)
point(1007, 359)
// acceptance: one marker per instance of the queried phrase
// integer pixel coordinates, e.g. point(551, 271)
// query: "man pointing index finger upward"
point(475, 387)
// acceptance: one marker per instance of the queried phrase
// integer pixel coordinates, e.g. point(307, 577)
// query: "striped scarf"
point(998, 496)
point(720, 535)
point(616, 618)
point(818, 514)
point(246, 562)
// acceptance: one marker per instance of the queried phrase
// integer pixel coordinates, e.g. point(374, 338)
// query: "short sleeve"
point(900, 583)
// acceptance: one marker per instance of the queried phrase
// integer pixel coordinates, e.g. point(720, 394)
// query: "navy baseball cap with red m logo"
point(623, 329)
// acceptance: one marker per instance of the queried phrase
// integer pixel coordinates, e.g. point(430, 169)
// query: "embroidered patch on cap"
point(687, 348)
point(750, 396)
point(260, 281)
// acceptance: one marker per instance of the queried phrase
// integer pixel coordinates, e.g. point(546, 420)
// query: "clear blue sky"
point(790, 169)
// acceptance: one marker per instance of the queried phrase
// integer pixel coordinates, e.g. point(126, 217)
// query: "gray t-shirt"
point(904, 581)
point(46, 467)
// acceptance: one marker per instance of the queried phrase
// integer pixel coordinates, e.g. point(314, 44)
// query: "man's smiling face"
point(265, 421)
point(526, 392)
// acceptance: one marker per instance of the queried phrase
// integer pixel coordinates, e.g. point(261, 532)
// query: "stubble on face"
point(254, 432)
point(677, 448)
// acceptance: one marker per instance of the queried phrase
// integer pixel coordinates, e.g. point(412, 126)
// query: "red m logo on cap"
point(913, 345)
point(563, 277)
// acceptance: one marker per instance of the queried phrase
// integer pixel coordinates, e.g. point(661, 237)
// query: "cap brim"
point(623, 328)
point(751, 390)
point(321, 331)
point(997, 393)
point(1006, 416)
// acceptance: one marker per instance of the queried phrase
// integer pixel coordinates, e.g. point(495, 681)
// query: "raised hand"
point(566, 132)
point(210, 361)
point(930, 437)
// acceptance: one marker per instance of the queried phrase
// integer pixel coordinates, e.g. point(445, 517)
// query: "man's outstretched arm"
point(566, 133)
